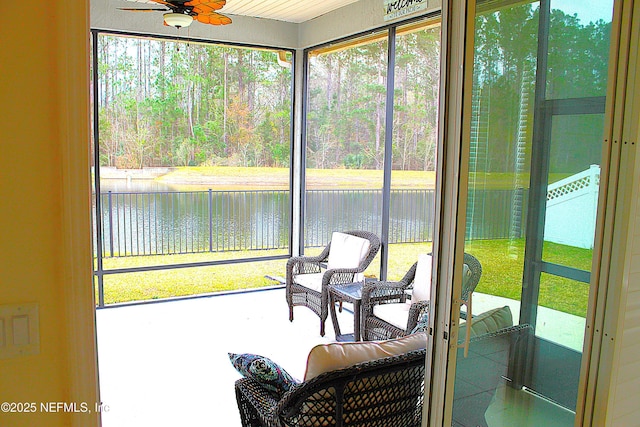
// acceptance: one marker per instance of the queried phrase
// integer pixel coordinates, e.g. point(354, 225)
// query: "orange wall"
point(32, 253)
point(36, 161)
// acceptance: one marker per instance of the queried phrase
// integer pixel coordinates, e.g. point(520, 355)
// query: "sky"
point(587, 10)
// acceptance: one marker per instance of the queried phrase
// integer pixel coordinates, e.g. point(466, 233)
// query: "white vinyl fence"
point(571, 209)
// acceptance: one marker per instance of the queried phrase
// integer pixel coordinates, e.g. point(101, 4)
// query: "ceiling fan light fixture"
point(178, 20)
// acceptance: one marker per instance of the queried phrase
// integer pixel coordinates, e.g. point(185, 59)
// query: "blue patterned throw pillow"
point(264, 371)
point(423, 323)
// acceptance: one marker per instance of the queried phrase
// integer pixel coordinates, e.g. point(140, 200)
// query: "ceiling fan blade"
point(163, 3)
point(201, 10)
point(206, 6)
point(213, 18)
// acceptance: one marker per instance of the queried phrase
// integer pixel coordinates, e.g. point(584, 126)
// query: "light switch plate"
point(19, 330)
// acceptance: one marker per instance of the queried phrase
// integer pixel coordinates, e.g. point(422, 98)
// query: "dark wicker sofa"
point(388, 392)
point(381, 393)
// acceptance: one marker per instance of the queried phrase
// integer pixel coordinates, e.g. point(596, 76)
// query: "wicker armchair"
point(379, 393)
point(378, 293)
point(316, 297)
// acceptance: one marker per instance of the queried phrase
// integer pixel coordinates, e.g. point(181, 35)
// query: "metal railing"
point(162, 223)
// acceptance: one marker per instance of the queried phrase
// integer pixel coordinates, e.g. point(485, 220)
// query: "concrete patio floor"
point(553, 325)
point(166, 363)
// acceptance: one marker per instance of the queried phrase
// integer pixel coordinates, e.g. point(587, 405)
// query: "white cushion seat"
point(312, 281)
point(396, 314)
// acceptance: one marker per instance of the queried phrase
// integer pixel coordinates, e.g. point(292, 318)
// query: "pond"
point(148, 218)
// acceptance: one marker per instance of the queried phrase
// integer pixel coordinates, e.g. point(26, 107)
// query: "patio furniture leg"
point(356, 321)
point(334, 318)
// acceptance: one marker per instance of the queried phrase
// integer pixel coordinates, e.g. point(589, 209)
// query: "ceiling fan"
point(181, 13)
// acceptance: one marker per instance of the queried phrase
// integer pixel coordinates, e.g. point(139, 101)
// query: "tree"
point(201, 104)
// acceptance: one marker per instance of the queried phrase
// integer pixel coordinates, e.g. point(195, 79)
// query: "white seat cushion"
point(329, 357)
point(312, 281)
point(397, 313)
point(422, 279)
point(347, 251)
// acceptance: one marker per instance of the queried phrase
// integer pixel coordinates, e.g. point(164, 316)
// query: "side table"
point(352, 293)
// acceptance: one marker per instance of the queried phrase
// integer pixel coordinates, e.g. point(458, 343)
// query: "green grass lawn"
point(240, 178)
point(128, 287)
point(250, 178)
point(501, 260)
point(502, 265)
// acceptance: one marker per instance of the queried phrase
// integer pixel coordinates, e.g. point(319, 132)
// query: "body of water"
point(142, 217)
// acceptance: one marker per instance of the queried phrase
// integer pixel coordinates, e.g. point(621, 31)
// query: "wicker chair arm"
point(303, 265)
point(388, 292)
point(476, 272)
point(410, 275)
point(339, 276)
point(383, 292)
point(376, 293)
point(417, 310)
point(255, 401)
point(306, 264)
point(304, 259)
point(510, 330)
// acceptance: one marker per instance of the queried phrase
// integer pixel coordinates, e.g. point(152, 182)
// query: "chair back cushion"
point(347, 251)
point(329, 357)
point(488, 322)
point(422, 279)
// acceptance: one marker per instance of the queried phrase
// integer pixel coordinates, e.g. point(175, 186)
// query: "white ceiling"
point(288, 24)
point(295, 11)
point(283, 10)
